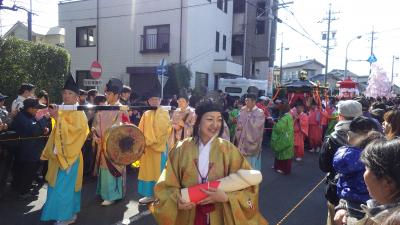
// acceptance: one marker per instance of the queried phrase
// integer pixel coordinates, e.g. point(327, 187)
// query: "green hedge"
point(43, 65)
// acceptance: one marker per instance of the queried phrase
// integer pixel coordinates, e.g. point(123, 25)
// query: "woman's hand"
point(182, 205)
point(340, 217)
point(214, 196)
point(53, 111)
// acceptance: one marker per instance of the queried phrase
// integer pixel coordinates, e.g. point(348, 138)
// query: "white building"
point(291, 71)
point(53, 36)
point(129, 38)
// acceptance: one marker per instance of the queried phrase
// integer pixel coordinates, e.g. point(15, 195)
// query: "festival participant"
point(92, 93)
point(282, 140)
point(250, 130)
point(126, 95)
point(262, 103)
point(156, 127)
point(82, 97)
point(182, 120)
point(300, 122)
point(315, 129)
point(65, 166)
point(205, 157)
point(111, 177)
point(233, 116)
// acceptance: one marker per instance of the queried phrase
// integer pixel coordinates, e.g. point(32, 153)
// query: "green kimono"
point(180, 172)
point(332, 123)
point(282, 139)
point(232, 121)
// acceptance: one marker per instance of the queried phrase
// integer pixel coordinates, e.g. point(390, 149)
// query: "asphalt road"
point(278, 195)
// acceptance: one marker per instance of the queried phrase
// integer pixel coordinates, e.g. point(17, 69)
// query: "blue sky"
point(355, 17)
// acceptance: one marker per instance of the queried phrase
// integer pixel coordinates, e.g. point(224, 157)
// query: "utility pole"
point(393, 59)
point(29, 13)
point(30, 21)
point(328, 38)
point(372, 48)
point(280, 68)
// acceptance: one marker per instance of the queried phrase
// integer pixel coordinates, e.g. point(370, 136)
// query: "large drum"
point(124, 144)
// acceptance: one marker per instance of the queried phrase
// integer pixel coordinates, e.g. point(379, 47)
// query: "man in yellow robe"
point(156, 127)
point(63, 151)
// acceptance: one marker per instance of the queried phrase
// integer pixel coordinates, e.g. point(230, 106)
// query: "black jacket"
point(25, 125)
point(337, 139)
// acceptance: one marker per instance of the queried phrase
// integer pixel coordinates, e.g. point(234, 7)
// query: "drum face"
point(124, 144)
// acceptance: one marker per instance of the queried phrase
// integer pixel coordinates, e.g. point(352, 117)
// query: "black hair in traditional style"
point(203, 108)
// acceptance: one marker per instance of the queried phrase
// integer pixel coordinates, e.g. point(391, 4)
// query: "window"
point(233, 90)
point(260, 27)
point(237, 45)
point(220, 4)
point(260, 9)
point(239, 6)
point(86, 36)
point(224, 42)
point(201, 82)
point(217, 41)
point(225, 6)
point(155, 39)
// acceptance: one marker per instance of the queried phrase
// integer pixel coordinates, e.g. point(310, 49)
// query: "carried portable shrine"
point(302, 89)
point(348, 88)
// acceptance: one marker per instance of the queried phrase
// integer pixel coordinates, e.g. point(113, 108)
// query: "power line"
point(295, 18)
point(308, 38)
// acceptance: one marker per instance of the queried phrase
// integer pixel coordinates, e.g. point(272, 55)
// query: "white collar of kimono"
point(204, 158)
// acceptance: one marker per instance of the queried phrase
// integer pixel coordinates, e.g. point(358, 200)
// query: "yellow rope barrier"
point(300, 202)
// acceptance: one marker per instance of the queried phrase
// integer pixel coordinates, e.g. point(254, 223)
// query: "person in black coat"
point(27, 156)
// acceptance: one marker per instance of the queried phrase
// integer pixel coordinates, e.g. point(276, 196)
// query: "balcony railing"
point(154, 43)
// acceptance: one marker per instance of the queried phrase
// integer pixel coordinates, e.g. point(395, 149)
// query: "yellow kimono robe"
point(67, 137)
point(180, 172)
point(156, 127)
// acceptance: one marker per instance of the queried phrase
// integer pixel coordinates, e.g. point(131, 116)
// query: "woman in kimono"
point(182, 120)
point(205, 157)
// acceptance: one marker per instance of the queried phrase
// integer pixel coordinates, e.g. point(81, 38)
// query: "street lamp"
point(393, 59)
point(347, 60)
